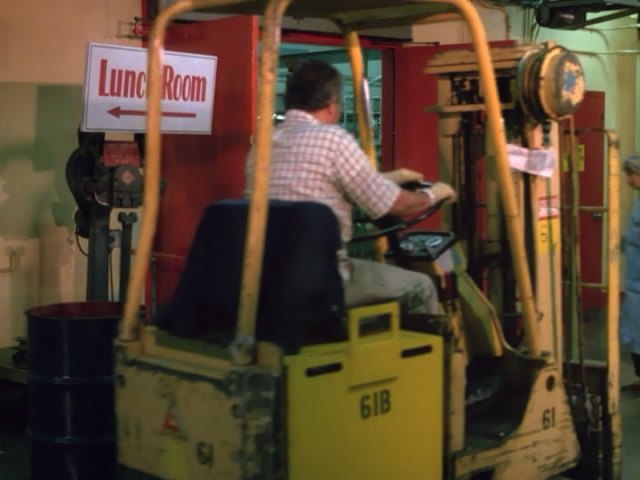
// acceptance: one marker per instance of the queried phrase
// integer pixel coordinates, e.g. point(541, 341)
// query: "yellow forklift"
point(287, 383)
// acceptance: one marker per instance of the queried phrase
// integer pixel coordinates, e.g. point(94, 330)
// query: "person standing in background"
point(630, 310)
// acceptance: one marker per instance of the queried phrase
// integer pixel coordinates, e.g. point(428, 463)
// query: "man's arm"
point(400, 176)
point(412, 202)
point(379, 194)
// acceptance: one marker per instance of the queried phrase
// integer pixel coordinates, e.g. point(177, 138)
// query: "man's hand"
point(441, 191)
point(403, 175)
point(409, 202)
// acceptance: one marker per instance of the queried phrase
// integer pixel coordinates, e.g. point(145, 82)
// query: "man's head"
point(631, 166)
point(315, 87)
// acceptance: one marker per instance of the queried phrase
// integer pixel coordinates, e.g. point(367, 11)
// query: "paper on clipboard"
point(534, 161)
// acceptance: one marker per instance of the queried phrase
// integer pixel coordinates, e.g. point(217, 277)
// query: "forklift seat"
point(301, 297)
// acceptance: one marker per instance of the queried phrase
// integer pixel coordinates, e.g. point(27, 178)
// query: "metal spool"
point(551, 83)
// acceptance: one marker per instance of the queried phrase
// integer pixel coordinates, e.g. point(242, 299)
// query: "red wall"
point(199, 169)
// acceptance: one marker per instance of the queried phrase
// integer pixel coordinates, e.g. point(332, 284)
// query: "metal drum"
point(71, 390)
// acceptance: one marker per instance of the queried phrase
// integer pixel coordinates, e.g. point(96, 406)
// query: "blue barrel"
point(72, 422)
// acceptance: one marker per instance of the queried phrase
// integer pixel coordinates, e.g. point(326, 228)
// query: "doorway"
point(292, 53)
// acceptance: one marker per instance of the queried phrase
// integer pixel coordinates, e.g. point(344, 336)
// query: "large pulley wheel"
point(550, 83)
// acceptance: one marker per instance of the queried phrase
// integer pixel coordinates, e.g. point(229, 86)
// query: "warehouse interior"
point(428, 111)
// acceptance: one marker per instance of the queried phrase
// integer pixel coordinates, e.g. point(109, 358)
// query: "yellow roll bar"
point(254, 243)
point(505, 182)
point(365, 129)
point(613, 308)
point(151, 198)
point(352, 43)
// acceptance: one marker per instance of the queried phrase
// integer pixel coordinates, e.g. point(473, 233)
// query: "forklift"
point(282, 381)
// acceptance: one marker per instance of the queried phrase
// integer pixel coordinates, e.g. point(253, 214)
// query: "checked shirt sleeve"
point(361, 183)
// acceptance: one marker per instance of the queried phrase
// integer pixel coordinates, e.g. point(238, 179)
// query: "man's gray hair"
point(631, 164)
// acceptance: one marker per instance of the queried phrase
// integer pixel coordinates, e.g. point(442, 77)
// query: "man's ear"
point(333, 109)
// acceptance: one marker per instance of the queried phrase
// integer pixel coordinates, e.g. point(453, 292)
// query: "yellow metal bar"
point(613, 309)
point(507, 192)
point(363, 112)
point(151, 199)
point(365, 130)
point(244, 342)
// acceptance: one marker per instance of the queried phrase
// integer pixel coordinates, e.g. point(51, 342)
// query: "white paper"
point(536, 162)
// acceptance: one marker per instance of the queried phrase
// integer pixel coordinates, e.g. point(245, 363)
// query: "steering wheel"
point(390, 224)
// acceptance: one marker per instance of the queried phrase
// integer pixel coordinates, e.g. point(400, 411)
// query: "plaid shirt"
point(312, 161)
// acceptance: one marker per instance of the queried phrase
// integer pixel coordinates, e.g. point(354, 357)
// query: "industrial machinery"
point(572, 15)
point(104, 174)
point(276, 387)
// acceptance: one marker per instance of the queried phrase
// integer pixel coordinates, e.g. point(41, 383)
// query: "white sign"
point(115, 90)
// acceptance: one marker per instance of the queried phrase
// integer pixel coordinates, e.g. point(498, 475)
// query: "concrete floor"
point(14, 444)
point(629, 403)
point(630, 407)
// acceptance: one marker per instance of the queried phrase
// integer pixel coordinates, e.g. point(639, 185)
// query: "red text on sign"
point(121, 83)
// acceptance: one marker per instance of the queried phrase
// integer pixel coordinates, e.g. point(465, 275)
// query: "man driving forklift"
point(315, 159)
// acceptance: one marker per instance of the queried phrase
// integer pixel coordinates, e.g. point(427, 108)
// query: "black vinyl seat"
point(301, 298)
